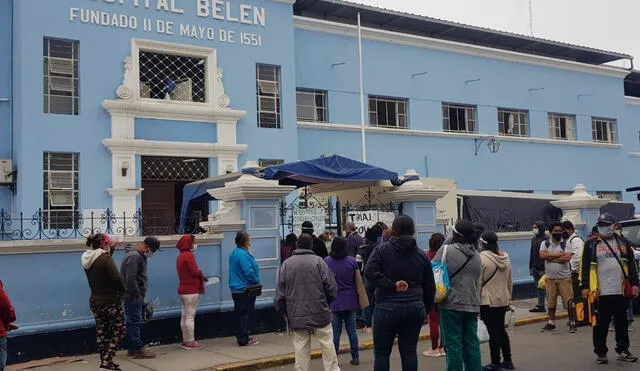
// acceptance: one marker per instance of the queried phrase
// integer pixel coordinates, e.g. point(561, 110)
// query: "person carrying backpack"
point(557, 268)
point(576, 244)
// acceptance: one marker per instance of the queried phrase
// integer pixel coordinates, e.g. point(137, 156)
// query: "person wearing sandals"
point(344, 268)
point(496, 298)
point(107, 294)
point(437, 348)
point(190, 288)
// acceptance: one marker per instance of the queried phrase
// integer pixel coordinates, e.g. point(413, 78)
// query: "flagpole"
point(362, 115)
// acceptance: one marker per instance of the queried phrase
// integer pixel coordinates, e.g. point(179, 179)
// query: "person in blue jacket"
point(243, 272)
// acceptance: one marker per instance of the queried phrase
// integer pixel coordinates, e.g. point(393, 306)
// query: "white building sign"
point(367, 219)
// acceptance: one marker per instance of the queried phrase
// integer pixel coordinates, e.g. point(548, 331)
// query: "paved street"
point(532, 350)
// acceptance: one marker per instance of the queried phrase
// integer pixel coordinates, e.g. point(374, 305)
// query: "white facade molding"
point(414, 190)
point(573, 205)
point(171, 110)
point(442, 134)
point(511, 236)
point(635, 101)
point(250, 187)
point(336, 28)
point(175, 149)
point(290, 2)
point(634, 154)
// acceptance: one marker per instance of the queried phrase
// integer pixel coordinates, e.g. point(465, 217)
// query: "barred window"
point(604, 130)
point(172, 77)
point(264, 162)
point(459, 118)
point(388, 112)
point(562, 127)
point(513, 123)
point(311, 105)
point(60, 190)
point(610, 195)
point(268, 96)
point(61, 85)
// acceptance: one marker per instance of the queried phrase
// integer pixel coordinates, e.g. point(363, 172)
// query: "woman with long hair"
point(459, 311)
point(190, 288)
point(437, 348)
point(496, 299)
point(345, 269)
point(404, 291)
point(107, 293)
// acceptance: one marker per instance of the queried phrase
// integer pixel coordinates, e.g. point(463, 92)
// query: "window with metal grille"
point(562, 127)
point(60, 190)
point(268, 96)
point(604, 130)
point(61, 85)
point(172, 77)
point(459, 118)
point(388, 112)
point(610, 195)
point(264, 162)
point(513, 123)
point(174, 168)
point(311, 105)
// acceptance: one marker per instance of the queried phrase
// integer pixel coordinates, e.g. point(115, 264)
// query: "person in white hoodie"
point(496, 298)
point(107, 293)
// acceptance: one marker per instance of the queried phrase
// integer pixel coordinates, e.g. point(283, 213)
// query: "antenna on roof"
point(531, 17)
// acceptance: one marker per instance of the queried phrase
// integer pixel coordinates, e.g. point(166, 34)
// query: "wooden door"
point(158, 208)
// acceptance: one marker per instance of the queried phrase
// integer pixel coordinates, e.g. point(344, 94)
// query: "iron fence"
point(44, 225)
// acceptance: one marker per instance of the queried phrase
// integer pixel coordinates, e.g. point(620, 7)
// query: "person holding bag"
point(244, 282)
point(496, 293)
point(609, 272)
point(345, 270)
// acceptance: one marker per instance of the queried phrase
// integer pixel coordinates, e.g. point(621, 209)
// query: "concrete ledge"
point(285, 359)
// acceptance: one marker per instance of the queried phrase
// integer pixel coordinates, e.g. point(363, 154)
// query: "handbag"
point(253, 290)
point(363, 298)
point(628, 290)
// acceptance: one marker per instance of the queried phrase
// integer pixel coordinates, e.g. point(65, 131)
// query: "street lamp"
point(492, 144)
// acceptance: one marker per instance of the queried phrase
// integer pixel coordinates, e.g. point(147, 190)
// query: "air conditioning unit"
point(6, 171)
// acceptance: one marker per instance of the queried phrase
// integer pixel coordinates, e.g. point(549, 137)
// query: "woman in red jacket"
point(191, 286)
point(7, 316)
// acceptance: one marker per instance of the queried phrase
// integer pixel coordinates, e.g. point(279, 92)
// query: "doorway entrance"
point(163, 179)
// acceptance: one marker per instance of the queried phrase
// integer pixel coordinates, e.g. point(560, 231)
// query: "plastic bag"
point(512, 320)
point(483, 333)
point(542, 282)
point(441, 277)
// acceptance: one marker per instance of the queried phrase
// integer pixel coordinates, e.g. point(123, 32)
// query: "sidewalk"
point(223, 354)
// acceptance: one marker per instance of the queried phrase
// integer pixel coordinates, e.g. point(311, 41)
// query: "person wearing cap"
point(319, 248)
point(576, 244)
point(190, 288)
point(608, 269)
point(459, 311)
point(134, 274)
point(496, 293)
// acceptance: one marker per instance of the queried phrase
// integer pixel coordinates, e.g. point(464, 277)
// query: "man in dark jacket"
point(319, 248)
point(536, 264)
point(304, 291)
point(134, 274)
point(354, 240)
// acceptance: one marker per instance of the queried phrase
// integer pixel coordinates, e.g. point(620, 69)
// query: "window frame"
point(446, 118)
point(521, 114)
point(47, 76)
point(276, 96)
point(51, 207)
point(612, 130)
point(553, 129)
point(389, 100)
point(316, 93)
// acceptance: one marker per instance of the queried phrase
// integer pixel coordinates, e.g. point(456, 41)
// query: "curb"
point(285, 359)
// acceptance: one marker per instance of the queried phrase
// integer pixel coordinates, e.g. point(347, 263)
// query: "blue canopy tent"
point(323, 170)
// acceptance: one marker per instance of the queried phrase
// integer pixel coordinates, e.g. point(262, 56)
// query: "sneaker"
point(626, 356)
point(192, 346)
point(355, 362)
point(253, 341)
point(602, 360)
point(491, 367)
point(573, 330)
point(144, 354)
point(508, 365)
point(537, 309)
point(110, 367)
point(442, 352)
point(432, 353)
point(548, 327)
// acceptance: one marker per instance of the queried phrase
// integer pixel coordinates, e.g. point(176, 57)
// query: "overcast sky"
point(604, 24)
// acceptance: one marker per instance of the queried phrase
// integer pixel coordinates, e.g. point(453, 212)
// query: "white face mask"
point(536, 231)
point(605, 230)
point(149, 254)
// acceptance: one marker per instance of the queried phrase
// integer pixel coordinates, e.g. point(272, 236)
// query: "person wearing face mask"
point(576, 244)
point(134, 274)
point(536, 264)
point(190, 289)
point(243, 274)
point(107, 291)
point(558, 272)
point(610, 273)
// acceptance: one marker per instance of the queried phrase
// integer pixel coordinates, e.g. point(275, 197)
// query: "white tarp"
point(317, 216)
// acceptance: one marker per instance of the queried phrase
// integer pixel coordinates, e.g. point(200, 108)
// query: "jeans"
point(541, 292)
point(133, 315)
point(243, 306)
point(368, 311)
point(349, 319)
point(460, 338)
point(498, 337)
point(611, 306)
point(404, 320)
point(3, 352)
